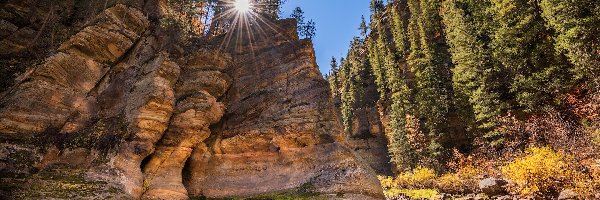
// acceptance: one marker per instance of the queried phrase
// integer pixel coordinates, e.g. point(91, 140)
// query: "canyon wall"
point(115, 105)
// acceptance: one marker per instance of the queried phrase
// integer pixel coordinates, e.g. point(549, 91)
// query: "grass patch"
point(272, 196)
point(304, 192)
point(414, 194)
point(284, 196)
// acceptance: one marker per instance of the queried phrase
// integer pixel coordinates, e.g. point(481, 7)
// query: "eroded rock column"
point(202, 82)
point(148, 111)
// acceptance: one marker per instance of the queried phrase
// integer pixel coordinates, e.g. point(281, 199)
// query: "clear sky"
point(337, 23)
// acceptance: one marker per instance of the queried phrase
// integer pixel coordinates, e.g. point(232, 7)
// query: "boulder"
point(568, 194)
point(493, 186)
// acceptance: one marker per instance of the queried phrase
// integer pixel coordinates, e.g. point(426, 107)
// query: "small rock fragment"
point(493, 186)
point(567, 194)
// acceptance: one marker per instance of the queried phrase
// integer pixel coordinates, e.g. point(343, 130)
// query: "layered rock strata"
point(279, 131)
point(52, 87)
point(197, 108)
point(119, 111)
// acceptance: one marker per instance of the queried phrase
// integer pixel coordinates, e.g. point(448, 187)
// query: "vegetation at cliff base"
point(489, 80)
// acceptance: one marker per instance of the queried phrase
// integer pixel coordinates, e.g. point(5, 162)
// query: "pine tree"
point(401, 153)
point(333, 78)
point(305, 29)
point(428, 61)
point(578, 34)
point(399, 29)
point(347, 95)
point(525, 46)
point(477, 79)
point(377, 68)
point(298, 14)
point(376, 6)
point(309, 30)
point(363, 28)
point(386, 57)
point(391, 83)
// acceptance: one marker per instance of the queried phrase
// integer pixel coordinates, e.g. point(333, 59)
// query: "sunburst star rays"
point(245, 24)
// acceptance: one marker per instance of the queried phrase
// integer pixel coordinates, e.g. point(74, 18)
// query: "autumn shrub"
point(413, 193)
point(420, 177)
point(387, 182)
point(403, 180)
point(463, 176)
point(464, 180)
point(416, 184)
point(423, 177)
point(595, 177)
point(542, 171)
point(596, 137)
point(451, 183)
point(589, 186)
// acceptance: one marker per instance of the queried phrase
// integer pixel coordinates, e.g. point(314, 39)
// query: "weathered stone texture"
point(49, 94)
point(116, 114)
point(196, 110)
point(279, 131)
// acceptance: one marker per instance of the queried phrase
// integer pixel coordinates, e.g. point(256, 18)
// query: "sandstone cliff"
point(119, 107)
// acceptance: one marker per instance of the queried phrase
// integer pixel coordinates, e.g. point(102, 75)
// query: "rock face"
point(493, 186)
point(367, 136)
point(197, 108)
point(51, 87)
point(279, 131)
point(369, 140)
point(118, 110)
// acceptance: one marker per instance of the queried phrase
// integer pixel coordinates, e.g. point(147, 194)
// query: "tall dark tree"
point(363, 28)
point(577, 33)
point(477, 79)
point(305, 29)
point(428, 61)
point(333, 78)
point(398, 26)
point(298, 14)
point(525, 46)
point(376, 6)
point(309, 30)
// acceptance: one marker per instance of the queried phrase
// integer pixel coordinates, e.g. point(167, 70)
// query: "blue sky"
point(337, 23)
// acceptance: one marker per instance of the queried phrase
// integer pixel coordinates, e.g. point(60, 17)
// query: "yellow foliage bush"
point(450, 183)
point(463, 181)
point(404, 180)
point(589, 187)
point(468, 172)
point(387, 182)
point(542, 171)
point(423, 176)
point(413, 194)
point(420, 177)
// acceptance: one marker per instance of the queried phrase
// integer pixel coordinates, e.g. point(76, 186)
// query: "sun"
point(242, 5)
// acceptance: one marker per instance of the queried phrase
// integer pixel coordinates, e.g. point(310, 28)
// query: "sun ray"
point(244, 23)
point(242, 5)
